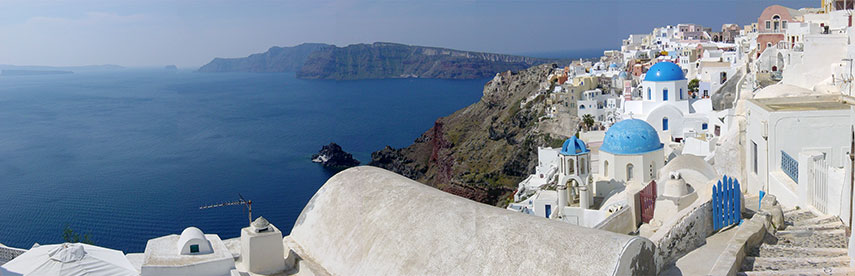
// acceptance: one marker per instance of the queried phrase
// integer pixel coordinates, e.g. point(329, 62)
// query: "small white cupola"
point(193, 242)
point(676, 186)
point(260, 225)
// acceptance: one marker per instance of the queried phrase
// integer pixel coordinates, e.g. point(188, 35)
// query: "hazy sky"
point(190, 33)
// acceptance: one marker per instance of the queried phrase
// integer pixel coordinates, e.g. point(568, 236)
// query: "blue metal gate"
point(726, 203)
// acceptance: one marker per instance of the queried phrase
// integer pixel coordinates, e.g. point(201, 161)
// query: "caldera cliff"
point(380, 60)
point(484, 150)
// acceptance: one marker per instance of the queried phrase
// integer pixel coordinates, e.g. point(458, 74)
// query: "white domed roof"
point(193, 236)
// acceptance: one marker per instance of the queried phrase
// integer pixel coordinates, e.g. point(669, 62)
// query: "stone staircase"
point(809, 245)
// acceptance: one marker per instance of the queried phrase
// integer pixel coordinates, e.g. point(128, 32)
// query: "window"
point(665, 94)
point(768, 24)
point(665, 123)
point(628, 172)
point(649, 94)
point(582, 166)
point(754, 156)
point(606, 168)
point(681, 93)
point(571, 167)
point(194, 248)
point(651, 170)
point(784, 24)
point(704, 126)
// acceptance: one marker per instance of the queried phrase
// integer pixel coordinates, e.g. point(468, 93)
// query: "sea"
point(129, 155)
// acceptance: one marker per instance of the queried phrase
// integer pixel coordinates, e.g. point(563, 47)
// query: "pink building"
point(772, 24)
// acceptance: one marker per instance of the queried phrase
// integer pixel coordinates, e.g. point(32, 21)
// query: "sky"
point(189, 33)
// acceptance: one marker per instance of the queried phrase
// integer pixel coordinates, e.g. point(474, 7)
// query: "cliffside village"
point(701, 153)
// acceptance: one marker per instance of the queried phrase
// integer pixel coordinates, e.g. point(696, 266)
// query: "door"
point(548, 210)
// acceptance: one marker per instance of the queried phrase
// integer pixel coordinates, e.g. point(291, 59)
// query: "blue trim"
point(665, 94)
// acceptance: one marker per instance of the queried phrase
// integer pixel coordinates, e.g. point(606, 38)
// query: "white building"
point(795, 146)
point(665, 103)
point(603, 107)
point(565, 192)
point(193, 253)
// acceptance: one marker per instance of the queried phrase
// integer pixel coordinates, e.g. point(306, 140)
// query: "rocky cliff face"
point(390, 60)
point(484, 150)
point(374, 61)
point(276, 59)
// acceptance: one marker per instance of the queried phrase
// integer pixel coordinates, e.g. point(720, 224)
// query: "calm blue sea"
point(131, 155)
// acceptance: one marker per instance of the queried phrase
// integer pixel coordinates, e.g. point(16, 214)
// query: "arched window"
point(649, 94)
point(582, 165)
point(665, 123)
point(606, 168)
point(665, 94)
point(629, 172)
point(571, 168)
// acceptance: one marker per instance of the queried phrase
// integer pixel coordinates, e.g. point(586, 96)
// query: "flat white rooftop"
point(805, 103)
point(163, 251)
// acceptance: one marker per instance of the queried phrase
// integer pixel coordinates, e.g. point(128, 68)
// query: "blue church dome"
point(574, 146)
point(631, 136)
point(664, 71)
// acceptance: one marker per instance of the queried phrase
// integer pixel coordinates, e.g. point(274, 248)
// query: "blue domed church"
point(665, 102)
point(631, 154)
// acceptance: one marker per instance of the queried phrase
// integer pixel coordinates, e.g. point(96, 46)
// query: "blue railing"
point(790, 166)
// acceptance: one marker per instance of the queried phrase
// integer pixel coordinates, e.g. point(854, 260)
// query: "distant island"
point(103, 67)
point(33, 72)
point(380, 60)
point(170, 67)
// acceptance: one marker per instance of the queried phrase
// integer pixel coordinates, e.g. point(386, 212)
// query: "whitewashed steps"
point(770, 250)
point(788, 263)
point(805, 272)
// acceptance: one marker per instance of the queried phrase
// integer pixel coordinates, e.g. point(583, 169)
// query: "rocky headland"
point(378, 60)
point(484, 150)
point(332, 156)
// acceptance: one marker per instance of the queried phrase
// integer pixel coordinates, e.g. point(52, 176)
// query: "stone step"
point(811, 221)
point(769, 250)
point(811, 238)
point(789, 263)
point(801, 215)
point(791, 211)
point(835, 225)
point(807, 272)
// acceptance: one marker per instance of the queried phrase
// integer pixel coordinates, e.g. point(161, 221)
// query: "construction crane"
point(241, 201)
